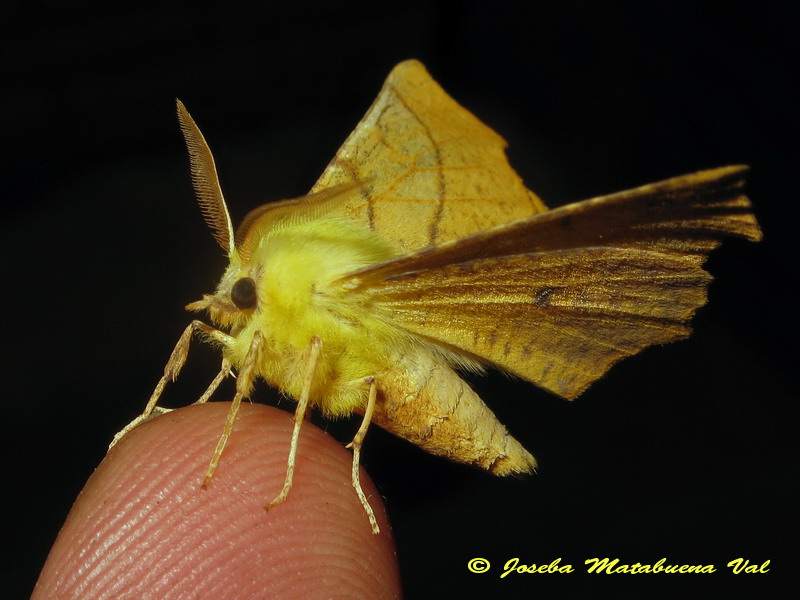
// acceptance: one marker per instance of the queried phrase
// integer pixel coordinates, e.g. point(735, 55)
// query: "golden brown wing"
point(434, 172)
point(558, 297)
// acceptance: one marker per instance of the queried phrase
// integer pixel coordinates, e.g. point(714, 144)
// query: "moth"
point(419, 254)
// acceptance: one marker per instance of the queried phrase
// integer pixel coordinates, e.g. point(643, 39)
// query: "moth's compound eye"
point(243, 293)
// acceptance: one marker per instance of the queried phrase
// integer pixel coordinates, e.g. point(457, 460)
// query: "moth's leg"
point(314, 349)
point(244, 383)
point(224, 371)
point(358, 440)
point(173, 367)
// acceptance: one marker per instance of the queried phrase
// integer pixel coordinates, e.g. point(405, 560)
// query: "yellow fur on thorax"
point(295, 267)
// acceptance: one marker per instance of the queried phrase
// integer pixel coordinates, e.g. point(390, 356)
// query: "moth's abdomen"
point(424, 401)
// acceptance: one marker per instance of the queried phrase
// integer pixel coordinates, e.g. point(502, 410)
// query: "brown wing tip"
point(720, 189)
point(746, 225)
point(730, 170)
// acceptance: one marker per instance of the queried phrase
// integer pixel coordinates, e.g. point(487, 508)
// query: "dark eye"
point(243, 293)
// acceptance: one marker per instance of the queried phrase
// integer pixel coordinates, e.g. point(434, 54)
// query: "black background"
point(686, 451)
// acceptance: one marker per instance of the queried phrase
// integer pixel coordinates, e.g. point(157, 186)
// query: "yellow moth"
point(419, 253)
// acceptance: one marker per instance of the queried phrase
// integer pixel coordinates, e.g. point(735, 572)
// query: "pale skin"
point(142, 528)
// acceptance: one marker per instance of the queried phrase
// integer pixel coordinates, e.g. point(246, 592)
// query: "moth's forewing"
point(559, 297)
point(435, 172)
point(688, 215)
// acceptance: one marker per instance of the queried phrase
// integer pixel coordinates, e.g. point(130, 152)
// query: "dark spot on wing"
point(542, 297)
